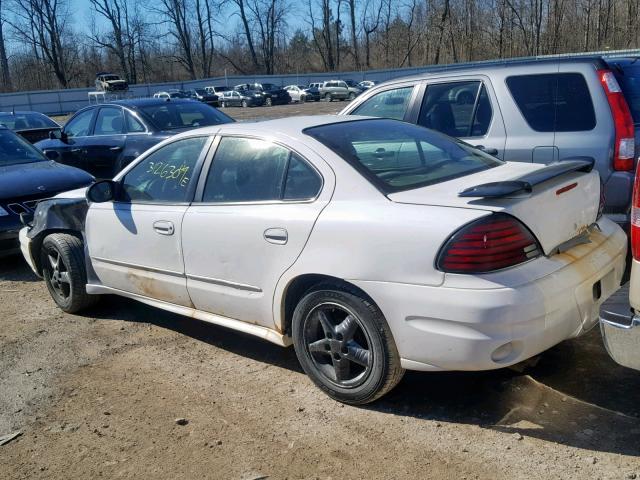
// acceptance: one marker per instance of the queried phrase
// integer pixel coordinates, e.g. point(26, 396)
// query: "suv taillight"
point(492, 243)
point(624, 147)
point(635, 218)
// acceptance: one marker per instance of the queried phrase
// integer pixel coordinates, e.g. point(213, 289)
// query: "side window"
point(556, 102)
point(250, 170)
point(449, 108)
point(80, 124)
point(166, 175)
point(302, 181)
point(110, 121)
point(387, 104)
point(133, 124)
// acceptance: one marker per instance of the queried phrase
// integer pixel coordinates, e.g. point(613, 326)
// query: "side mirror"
point(102, 191)
point(490, 151)
point(51, 154)
point(54, 134)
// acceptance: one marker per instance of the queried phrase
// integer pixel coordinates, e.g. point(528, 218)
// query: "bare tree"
point(4, 61)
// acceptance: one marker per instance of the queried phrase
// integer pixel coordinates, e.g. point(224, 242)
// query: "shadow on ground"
point(15, 269)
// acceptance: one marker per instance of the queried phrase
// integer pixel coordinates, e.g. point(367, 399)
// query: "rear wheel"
point(244, 104)
point(328, 97)
point(268, 102)
point(345, 346)
point(223, 105)
point(352, 95)
point(63, 268)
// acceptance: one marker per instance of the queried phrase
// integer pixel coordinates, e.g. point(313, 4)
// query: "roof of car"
point(145, 102)
point(22, 112)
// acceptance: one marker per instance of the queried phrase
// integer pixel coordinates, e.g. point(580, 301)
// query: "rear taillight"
point(635, 218)
point(625, 145)
point(491, 243)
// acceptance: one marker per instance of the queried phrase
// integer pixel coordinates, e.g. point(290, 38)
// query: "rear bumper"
point(484, 323)
point(620, 327)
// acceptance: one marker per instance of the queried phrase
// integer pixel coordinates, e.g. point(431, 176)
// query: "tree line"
point(47, 44)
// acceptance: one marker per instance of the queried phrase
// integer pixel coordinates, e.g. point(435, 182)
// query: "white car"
point(372, 245)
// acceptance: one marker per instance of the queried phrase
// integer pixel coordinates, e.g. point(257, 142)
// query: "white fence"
point(58, 102)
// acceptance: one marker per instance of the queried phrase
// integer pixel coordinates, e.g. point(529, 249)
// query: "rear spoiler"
point(526, 183)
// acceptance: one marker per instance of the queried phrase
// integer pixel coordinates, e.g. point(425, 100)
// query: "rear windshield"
point(629, 80)
point(397, 156)
point(23, 121)
point(14, 150)
point(169, 116)
point(556, 102)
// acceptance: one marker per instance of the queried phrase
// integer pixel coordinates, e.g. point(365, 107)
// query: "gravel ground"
point(99, 395)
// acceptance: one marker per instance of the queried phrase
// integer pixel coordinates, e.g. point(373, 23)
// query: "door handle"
point(76, 150)
point(164, 227)
point(279, 236)
point(489, 150)
point(115, 149)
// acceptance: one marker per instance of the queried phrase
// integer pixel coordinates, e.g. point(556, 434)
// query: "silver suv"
point(332, 89)
point(529, 111)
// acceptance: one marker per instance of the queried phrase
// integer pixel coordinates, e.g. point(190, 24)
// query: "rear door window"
point(110, 121)
point(459, 109)
point(387, 104)
point(556, 102)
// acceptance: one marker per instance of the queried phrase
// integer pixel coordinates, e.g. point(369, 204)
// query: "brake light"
point(635, 218)
point(491, 243)
point(624, 148)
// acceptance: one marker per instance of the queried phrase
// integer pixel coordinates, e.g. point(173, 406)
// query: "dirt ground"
point(98, 395)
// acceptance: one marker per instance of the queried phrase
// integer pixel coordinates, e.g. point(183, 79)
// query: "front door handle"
point(76, 150)
point(279, 236)
point(115, 149)
point(164, 227)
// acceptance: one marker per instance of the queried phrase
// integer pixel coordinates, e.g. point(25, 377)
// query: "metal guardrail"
point(60, 102)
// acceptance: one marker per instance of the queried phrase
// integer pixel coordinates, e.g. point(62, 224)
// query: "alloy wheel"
point(338, 345)
point(58, 275)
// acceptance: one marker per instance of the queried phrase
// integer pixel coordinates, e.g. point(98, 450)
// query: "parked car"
point(26, 176)
point(203, 96)
point(33, 126)
point(172, 94)
point(353, 238)
point(301, 93)
point(273, 95)
point(354, 88)
point(529, 111)
point(367, 84)
point(217, 90)
point(620, 314)
point(103, 139)
point(333, 90)
point(244, 98)
point(110, 82)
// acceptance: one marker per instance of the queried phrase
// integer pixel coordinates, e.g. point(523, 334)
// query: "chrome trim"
point(138, 267)
point(224, 283)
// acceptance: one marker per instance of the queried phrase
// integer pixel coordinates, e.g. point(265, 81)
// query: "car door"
point(70, 148)
point(256, 208)
point(134, 242)
point(104, 147)
point(467, 109)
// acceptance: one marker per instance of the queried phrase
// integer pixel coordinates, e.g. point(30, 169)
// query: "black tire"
point(328, 97)
point(223, 105)
point(352, 95)
point(64, 272)
point(302, 98)
point(357, 346)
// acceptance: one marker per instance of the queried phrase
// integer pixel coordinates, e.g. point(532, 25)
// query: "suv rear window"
point(396, 156)
point(556, 102)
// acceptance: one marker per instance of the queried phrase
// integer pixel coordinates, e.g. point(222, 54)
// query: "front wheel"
point(302, 98)
point(345, 346)
point(244, 104)
point(223, 105)
point(328, 97)
point(352, 95)
point(268, 102)
point(63, 268)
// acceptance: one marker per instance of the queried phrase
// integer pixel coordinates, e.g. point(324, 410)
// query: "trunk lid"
point(555, 210)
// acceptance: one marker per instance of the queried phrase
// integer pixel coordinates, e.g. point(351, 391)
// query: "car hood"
point(46, 177)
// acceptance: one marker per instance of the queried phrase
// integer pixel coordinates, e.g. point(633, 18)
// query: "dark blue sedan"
point(26, 177)
point(103, 139)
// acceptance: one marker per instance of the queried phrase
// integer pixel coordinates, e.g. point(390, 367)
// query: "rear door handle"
point(115, 149)
point(164, 227)
point(76, 150)
point(279, 236)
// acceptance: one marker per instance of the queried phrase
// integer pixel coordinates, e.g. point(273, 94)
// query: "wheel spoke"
point(53, 261)
point(357, 354)
point(342, 368)
point(320, 346)
point(64, 277)
point(347, 327)
point(326, 324)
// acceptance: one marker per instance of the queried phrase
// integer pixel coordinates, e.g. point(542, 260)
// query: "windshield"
point(15, 150)
point(22, 121)
point(108, 78)
point(269, 86)
point(397, 156)
point(629, 80)
point(170, 116)
point(200, 91)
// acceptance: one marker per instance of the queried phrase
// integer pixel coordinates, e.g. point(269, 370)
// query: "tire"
point(223, 105)
point(268, 102)
point(351, 96)
point(345, 346)
point(328, 97)
point(64, 272)
point(302, 98)
point(244, 104)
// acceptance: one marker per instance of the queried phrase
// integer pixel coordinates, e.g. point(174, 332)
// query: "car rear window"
point(169, 116)
point(19, 121)
point(557, 102)
point(396, 156)
point(628, 77)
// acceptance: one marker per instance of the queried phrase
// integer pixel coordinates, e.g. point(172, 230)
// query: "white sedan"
point(372, 245)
